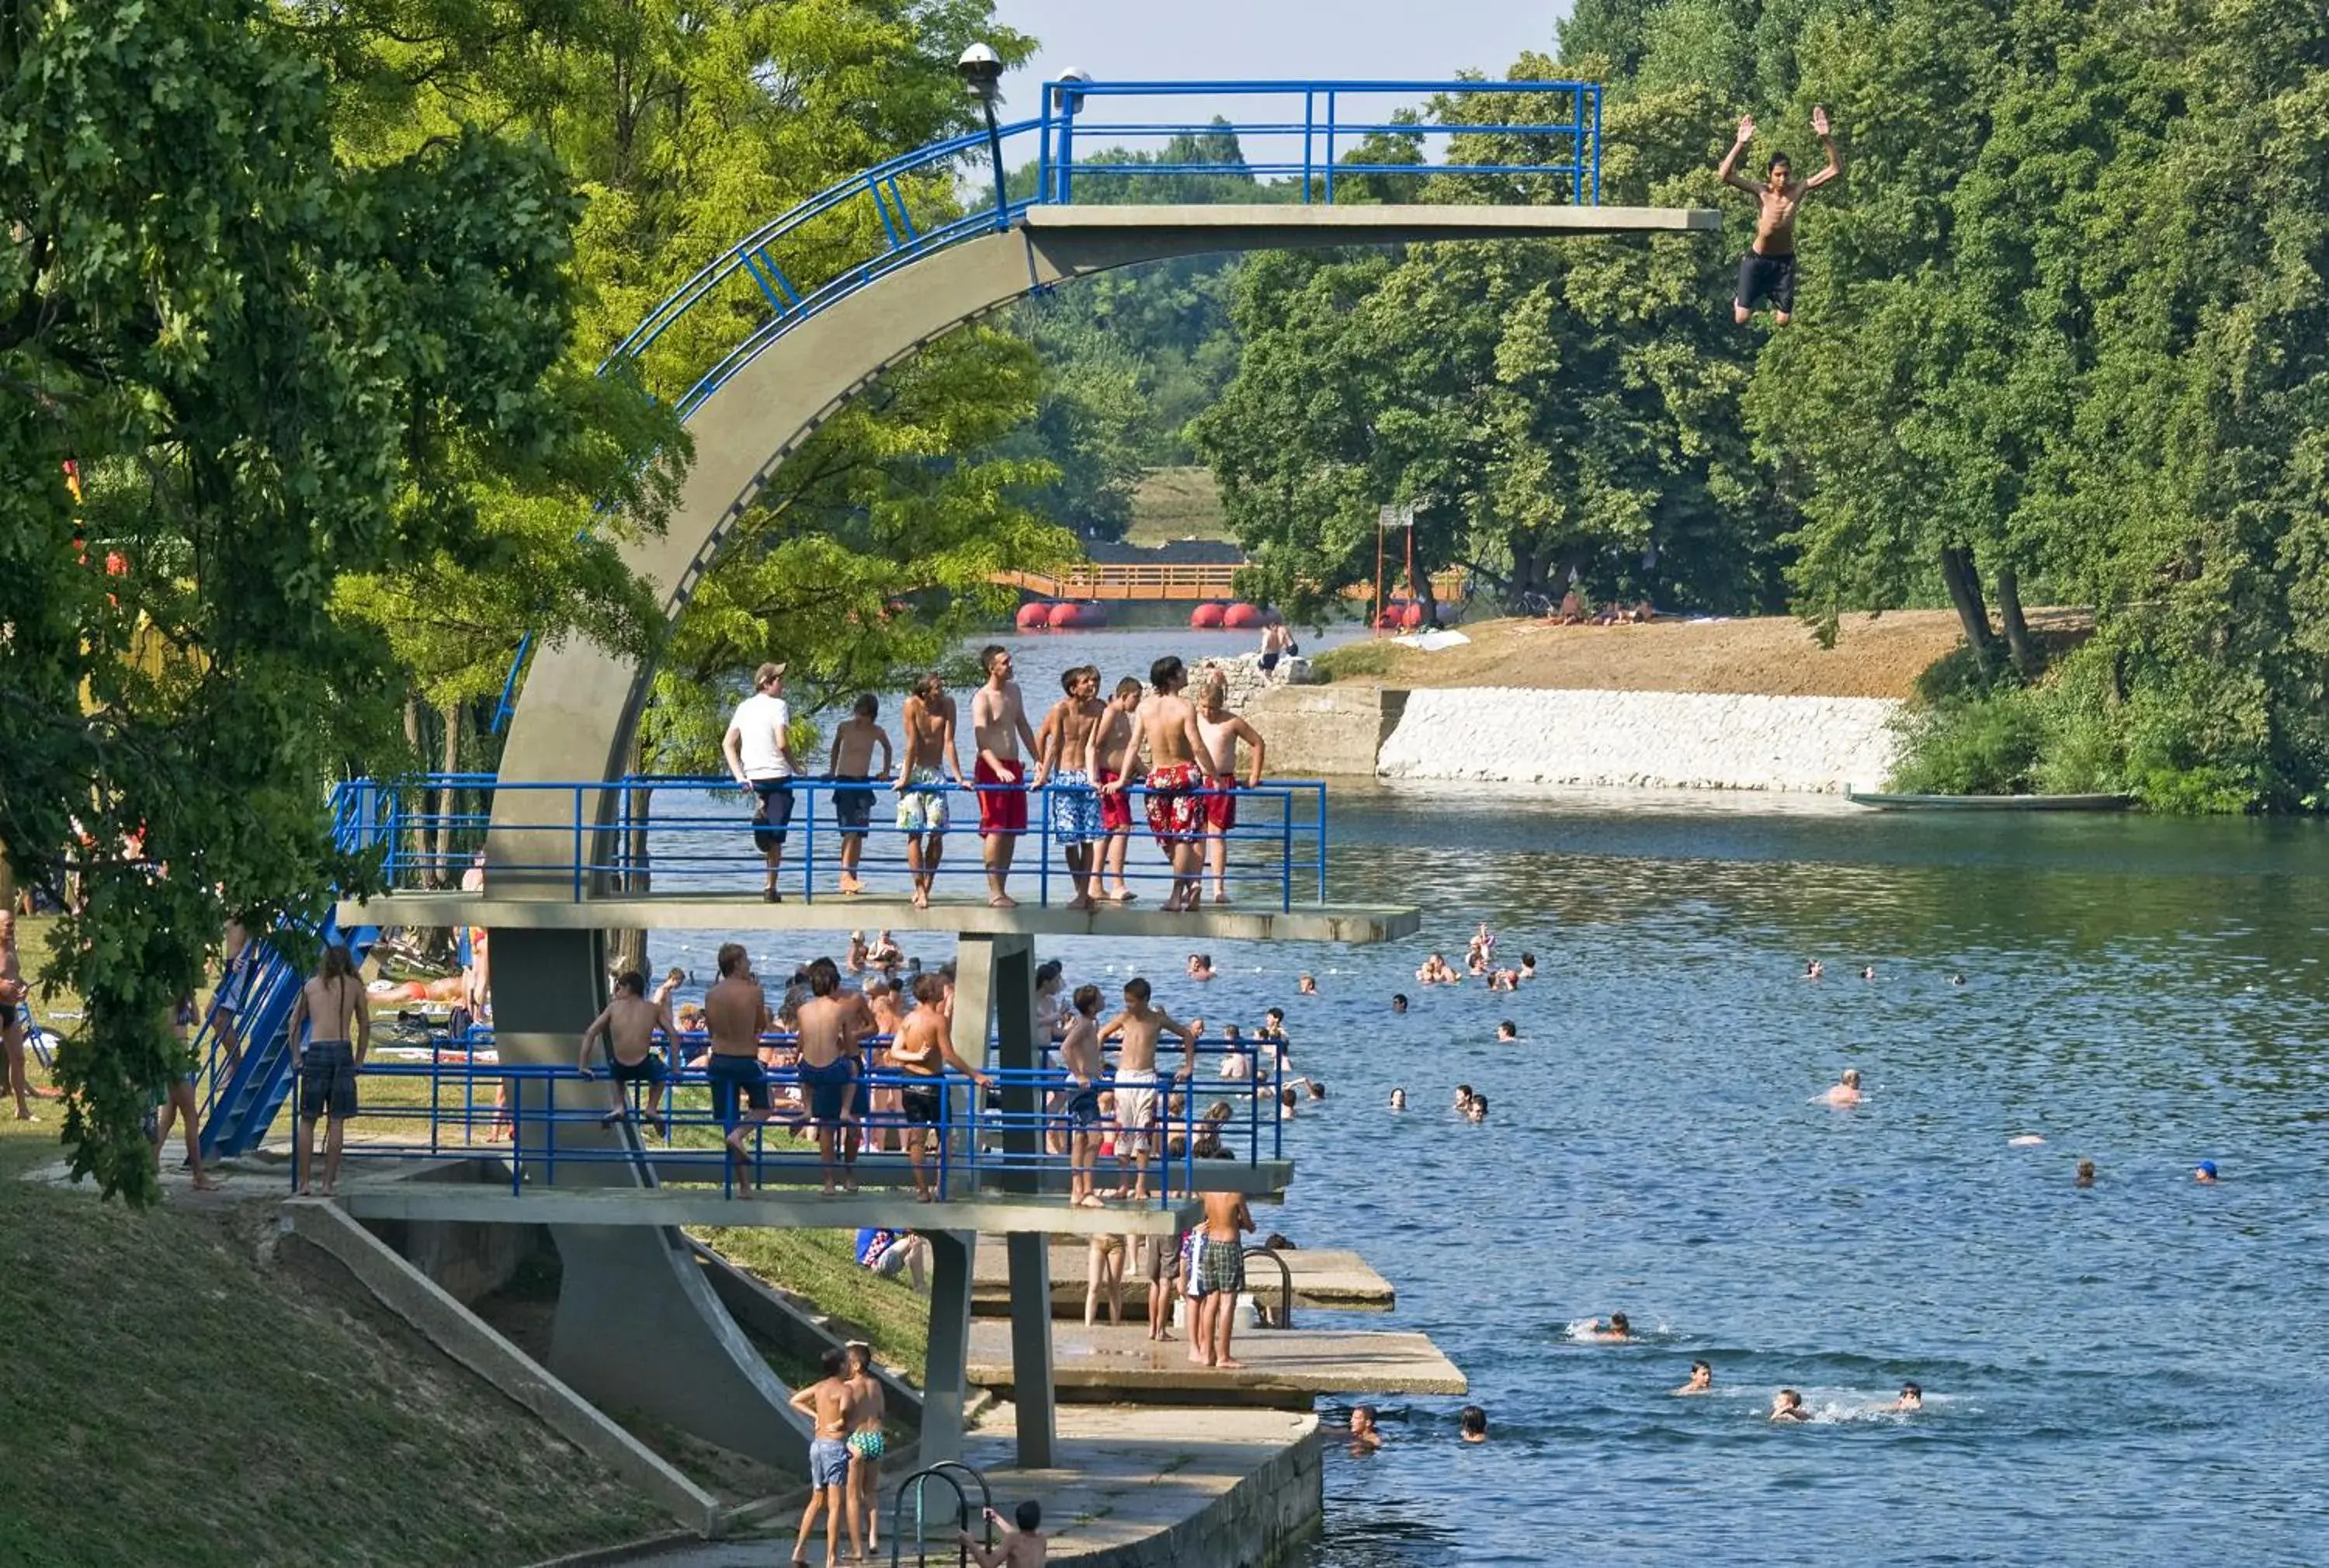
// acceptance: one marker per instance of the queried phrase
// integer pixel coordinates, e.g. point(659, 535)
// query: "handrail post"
point(1330, 149)
point(1596, 143)
point(1286, 852)
point(1309, 128)
point(808, 846)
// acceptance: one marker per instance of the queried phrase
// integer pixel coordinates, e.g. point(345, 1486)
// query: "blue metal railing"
point(475, 1103)
point(866, 227)
point(697, 836)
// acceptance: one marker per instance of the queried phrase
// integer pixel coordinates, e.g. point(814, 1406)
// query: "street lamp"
point(981, 69)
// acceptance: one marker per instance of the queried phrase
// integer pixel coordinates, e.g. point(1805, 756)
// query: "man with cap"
point(760, 759)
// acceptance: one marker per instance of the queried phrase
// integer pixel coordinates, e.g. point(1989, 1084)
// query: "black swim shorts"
point(853, 809)
point(647, 1069)
point(1766, 277)
point(773, 813)
point(920, 1104)
point(327, 1080)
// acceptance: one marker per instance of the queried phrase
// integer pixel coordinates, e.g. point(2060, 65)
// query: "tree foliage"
point(288, 370)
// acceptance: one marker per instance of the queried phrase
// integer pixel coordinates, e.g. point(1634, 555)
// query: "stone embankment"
point(1629, 739)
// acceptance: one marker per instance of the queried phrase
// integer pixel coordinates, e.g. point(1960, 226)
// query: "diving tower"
point(898, 264)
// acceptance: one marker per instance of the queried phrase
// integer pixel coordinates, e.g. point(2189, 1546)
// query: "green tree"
point(272, 370)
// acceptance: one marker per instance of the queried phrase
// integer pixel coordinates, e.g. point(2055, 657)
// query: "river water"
point(2133, 1373)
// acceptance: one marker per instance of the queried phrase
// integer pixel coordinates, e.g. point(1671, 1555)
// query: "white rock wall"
point(1642, 739)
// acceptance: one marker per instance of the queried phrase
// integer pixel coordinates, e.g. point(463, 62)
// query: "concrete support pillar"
point(1005, 966)
point(637, 1328)
point(946, 1367)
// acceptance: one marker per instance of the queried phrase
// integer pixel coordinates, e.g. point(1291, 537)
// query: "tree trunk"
point(2017, 629)
point(1964, 593)
point(448, 800)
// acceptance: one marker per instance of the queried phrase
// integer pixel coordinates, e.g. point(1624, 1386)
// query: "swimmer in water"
point(1847, 1090)
point(1528, 966)
point(1307, 986)
point(1463, 1096)
point(1398, 1099)
point(1701, 1380)
point(1365, 1437)
point(1477, 1111)
point(1789, 1405)
point(1617, 1332)
point(2086, 1173)
point(1814, 970)
point(2204, 1173)
point(1398, 1001)
point(1507, 1032)
point(1868, 972)
point(1957, 979)
point(1473, 1422)
point(1911, 1398)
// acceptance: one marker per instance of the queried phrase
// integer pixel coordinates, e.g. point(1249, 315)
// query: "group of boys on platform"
point(1087, 751)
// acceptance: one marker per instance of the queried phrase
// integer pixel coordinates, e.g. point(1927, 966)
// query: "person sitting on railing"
point(928, 721)
point(922, 1051)
point(1064, 752)
point(736, 1010)
point(998, 724)
point(855, 739)
point(1080, 1054)
point(1109, 738)
point(1136, 1029)
point(630, 1024)
point(829, 1034)
point(1220, 730)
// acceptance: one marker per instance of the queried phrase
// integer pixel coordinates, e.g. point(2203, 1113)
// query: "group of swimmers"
point(1087, 751)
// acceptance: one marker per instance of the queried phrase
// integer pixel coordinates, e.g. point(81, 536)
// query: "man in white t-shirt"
point(760, 760)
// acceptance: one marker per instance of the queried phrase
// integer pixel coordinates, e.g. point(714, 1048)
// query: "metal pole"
point(995, 151)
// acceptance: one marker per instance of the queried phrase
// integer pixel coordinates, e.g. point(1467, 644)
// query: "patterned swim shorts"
point(1075, 808)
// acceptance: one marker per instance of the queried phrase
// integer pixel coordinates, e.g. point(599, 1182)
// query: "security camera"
point(980, 69)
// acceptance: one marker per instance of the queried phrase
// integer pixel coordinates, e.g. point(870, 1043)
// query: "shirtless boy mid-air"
point(1065, 754)
point(630, 1024)
point(998, 723)
point(1767, 270)
point(1167, 723)
point(929, 722)
point(854, 743)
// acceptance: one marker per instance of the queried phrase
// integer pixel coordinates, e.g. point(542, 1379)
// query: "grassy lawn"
point(1175, 504)
point(822, 1266)
point(167, 1398)
point(1363, 661)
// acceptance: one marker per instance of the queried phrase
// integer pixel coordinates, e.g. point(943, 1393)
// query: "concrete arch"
point(578, 708)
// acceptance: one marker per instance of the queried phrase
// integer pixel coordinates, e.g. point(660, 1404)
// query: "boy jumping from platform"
point(1767, 270)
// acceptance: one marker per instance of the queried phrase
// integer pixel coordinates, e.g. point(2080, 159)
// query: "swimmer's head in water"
point(2205, 1171)
point(1398, 1001)
point(1911, 1394)
point(1362, 1418)
point(1398, 1099)
point(1473, 1421)
point(1700, 1372)
point(1508, 1031)
point(1852, 1077)
point(1618, 1324)
point(1788, 1399)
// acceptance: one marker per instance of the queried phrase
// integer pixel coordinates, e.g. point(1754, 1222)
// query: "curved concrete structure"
point(576, 716)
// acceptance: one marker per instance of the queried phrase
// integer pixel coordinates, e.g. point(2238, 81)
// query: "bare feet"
point(1220, 897)
point(1124, 895)
point(1229, 1364)
point(1003, 901)
point(1081, 901)
point(205, 1184)
point(921, 899)
point(308, 1189)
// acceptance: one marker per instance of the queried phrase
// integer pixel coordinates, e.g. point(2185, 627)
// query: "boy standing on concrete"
point(854, 743)
point(1079, 1054)
point(828, 1405)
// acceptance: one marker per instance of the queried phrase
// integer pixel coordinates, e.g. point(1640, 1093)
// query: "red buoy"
point(1034, 616)
point(1241, 617)
point(1206, 618)
point(1063, 616)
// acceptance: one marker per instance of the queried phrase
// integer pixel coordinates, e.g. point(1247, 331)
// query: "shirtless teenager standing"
point(921, 1051)
point(16, 1014)
point(1220, 730)
point(339, 1037)
point(1220, 1275)
point(830, 1029)
point(736, 1014)
point(868, 1408)
point(1108, 738)
point(630, 1024)
point(998, 723)
point(827, 1403)
point(1167, 724)
point(928, 723)
point(1079, 1054)
point(1767, 270)
point(851, 763)
point(1136, 1030)
point(1064, 759)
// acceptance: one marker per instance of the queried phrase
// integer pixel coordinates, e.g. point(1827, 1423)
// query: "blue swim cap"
point(2207, 1168)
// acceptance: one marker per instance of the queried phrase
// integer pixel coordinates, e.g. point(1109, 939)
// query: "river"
point(2127, 1373)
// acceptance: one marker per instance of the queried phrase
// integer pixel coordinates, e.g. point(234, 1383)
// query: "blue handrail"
point(861, 230)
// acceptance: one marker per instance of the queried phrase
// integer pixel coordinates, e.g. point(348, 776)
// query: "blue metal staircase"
point(241, 1106)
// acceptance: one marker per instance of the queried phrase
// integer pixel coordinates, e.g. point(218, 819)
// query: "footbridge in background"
point(758, 350)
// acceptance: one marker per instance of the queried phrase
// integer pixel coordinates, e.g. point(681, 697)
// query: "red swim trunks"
point(1001, 811)
point(1115, 810)
point(1220, 807)
point(1176, 812)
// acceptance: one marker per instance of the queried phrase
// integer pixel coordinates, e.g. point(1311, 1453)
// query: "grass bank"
point(1177, 504)
point(166, 1397)
point(821, 1267)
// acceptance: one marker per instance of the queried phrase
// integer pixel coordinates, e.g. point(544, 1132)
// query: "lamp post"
point(981, 69)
